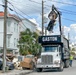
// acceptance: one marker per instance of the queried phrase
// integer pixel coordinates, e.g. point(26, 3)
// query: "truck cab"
point(53, 53)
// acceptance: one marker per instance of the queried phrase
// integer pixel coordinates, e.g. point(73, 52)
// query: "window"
point(50, 48)
point(8, 41)
point(14, 41)
point(16, 27)
point(8, 25)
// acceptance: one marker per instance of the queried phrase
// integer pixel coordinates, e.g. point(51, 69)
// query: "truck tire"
point(33, 66)
point(66, 64)
point(61, 66)
point(23, 68)
point(39, 69)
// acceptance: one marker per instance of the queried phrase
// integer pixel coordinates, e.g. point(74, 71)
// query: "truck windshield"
point(50, 49)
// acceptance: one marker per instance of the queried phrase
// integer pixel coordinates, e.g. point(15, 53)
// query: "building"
point(39, 31)
point(73, 47)
point(25, 23)
point(14, 26)
point(12, 33)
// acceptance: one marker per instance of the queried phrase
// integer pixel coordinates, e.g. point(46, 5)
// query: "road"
point(66, 71)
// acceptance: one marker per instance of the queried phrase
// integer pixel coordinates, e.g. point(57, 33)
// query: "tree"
point(28, 43)
point(73, 49)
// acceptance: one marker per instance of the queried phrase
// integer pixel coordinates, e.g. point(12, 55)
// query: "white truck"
point(55, 53)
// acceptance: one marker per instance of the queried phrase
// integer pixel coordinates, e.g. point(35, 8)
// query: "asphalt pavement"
point(17, 72)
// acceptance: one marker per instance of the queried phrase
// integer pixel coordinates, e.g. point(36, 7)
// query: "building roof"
point(10, 15)
point(1, 14)
point(29, 21)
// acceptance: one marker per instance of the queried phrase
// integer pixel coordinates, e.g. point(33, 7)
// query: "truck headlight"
point(39, 61)
point(56, 62)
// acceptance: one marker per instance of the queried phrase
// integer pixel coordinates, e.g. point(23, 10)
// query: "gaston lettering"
point(49, 39)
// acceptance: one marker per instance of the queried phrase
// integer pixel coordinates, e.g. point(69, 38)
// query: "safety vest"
point(71, 57)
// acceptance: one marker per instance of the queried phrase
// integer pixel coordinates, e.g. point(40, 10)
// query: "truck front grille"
point(47, 59)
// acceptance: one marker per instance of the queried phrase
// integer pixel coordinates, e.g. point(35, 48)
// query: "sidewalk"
point(16, 72)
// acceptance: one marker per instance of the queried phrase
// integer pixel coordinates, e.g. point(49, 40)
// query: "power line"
point(19, 10)
point(1, 4)
point(68, 19)
point(27, 5)
point(49, 6)
point(68, 11)
point(73, 13)
point(17, 14)
point(35, 2)
point(63, 3)
point(57, 7)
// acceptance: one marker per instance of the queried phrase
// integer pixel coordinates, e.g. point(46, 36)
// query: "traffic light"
point(51, 25)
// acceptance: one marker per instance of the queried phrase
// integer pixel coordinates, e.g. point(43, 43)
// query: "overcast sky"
point(32, 10)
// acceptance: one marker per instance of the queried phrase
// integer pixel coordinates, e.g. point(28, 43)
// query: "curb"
point(17, 72)
point(25, 73)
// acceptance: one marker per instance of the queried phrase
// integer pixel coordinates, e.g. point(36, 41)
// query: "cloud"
point(73, 26)
point(72, 32)
point(67, 29)
point(35, 6)
point(27, 6)
point(34, 21)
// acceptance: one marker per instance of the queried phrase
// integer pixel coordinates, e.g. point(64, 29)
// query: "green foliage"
point(73, 49)
point(28, 43)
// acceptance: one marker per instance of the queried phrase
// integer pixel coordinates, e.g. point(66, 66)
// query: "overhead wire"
point(15, 11)
point(66, 11)
point(50, 6)
point(68, 19)
point(20, 10)
point(25, 5)
point(63, 2)
point(69, 11)
point(18, 14)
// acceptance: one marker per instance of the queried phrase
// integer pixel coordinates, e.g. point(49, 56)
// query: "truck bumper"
point(48, 66)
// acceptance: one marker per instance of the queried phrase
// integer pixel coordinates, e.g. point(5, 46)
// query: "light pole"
point(42, 17)
point(4, 36)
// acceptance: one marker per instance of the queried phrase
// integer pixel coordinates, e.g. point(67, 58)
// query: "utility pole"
point(42, 17)
point(4, 36)
point(45, 31)
point(69, 39)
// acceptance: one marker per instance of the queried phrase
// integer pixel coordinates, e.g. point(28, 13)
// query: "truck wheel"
point(66, 63)
point(33, 66)
point(23, 68)
point(61, 66)
point(38, 69)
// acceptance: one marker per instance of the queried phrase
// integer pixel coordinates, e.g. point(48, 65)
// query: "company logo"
point(49, 39)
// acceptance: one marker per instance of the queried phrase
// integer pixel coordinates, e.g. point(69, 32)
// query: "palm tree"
point(28, 42)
